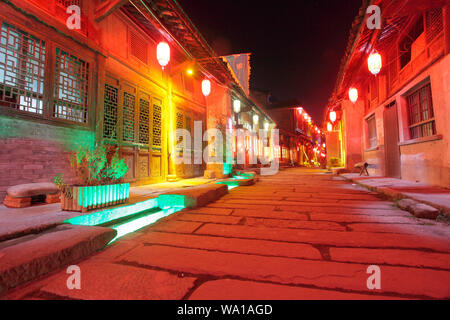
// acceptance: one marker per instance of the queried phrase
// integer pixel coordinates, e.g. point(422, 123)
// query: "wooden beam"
point(106, 8)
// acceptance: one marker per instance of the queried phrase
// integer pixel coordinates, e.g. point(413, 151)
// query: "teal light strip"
point(104, 216)
point(141, 222)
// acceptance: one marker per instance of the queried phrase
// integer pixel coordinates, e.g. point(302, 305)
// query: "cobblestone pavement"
point(301, 234)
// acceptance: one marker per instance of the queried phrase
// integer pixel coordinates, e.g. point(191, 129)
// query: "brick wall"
point(36, 152)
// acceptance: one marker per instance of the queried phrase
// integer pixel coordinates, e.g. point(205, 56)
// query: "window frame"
point(53, 41)
point(421, 122)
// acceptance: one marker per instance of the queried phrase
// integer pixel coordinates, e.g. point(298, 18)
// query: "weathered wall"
point(426, 159)
point(36, 152)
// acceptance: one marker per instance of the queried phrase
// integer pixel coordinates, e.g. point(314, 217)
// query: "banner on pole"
point(239, 65)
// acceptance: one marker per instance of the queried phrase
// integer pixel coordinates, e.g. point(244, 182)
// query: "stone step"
point(31, 256)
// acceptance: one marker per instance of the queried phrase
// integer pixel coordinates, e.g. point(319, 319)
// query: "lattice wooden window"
point(157, 125)
point(67, 3)
point(180, 120)
point(22, 66)
point(110, 112)
point(434, 24)
point(421, 114)
point(144, 120)
point(71, 87)
point(128, 116)
point(138, 47)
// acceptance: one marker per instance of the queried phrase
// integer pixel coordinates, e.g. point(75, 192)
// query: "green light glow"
point(104, 216)
point(230, 184)
point(141, 222)
point(96, 195)
point(166, 201)
point(227, 168)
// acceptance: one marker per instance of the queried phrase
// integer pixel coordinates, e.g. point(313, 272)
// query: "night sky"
point(296, 45)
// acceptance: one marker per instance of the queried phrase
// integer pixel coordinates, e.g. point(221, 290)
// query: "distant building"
point(301, 141)
point(400, 122)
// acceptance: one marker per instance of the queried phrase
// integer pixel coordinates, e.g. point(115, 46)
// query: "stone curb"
point(29, 257)
point(419, 209)
point(194, 197)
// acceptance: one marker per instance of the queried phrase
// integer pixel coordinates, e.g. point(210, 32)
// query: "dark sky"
point(296, 45)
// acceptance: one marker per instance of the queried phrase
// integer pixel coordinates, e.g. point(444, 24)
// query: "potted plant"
point(100, 173)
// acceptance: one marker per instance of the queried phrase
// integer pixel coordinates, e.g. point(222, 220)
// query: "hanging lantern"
point(375, 63)
point(333, 116)
point(236, 106)
point(163, 54)
point(206, 87)
point(329, 127)
point(353, 94)
point(266, 126)
point(300, 110)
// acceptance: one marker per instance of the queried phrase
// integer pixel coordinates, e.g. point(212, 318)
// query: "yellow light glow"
point(190, 72)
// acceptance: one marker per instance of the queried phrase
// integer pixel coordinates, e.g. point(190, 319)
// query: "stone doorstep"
point(418, 208)
point(29, 257)
point(195, 197)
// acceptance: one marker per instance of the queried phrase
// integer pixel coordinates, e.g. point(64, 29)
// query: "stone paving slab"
point(413, 258)
point(229, 289)
point(208, 218)
point(31, 256)
point(322, 274)
point(245, 248)
point(337, 238)
point(258, 247)
point(107, 281)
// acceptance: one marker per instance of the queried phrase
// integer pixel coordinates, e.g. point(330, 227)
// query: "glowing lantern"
point(206, 87)
point(333, 116)
point(237, 106)
point(163, 54)
point(266, 126)
point(329, 127)
point(300, 110)
point(255, 119)
point(353, 94)
point(375, 63)
point(323, 145)
point(305, 116)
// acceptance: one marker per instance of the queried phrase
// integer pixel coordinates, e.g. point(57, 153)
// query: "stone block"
point(421, 210)
point(12, 202)
point(209, 174)
point(52, 198)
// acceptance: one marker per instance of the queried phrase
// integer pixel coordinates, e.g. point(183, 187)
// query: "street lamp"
point(255, 119)
point(236, 106)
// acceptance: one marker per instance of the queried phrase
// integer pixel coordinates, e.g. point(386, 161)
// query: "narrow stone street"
point(300, 234)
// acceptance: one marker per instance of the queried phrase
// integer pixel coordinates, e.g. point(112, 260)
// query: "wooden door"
point(392, 149)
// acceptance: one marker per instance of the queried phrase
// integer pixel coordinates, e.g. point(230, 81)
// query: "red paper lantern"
point(375, 63)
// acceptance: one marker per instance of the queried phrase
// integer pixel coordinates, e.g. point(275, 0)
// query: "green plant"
point(62, 186)
point(99, 166)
